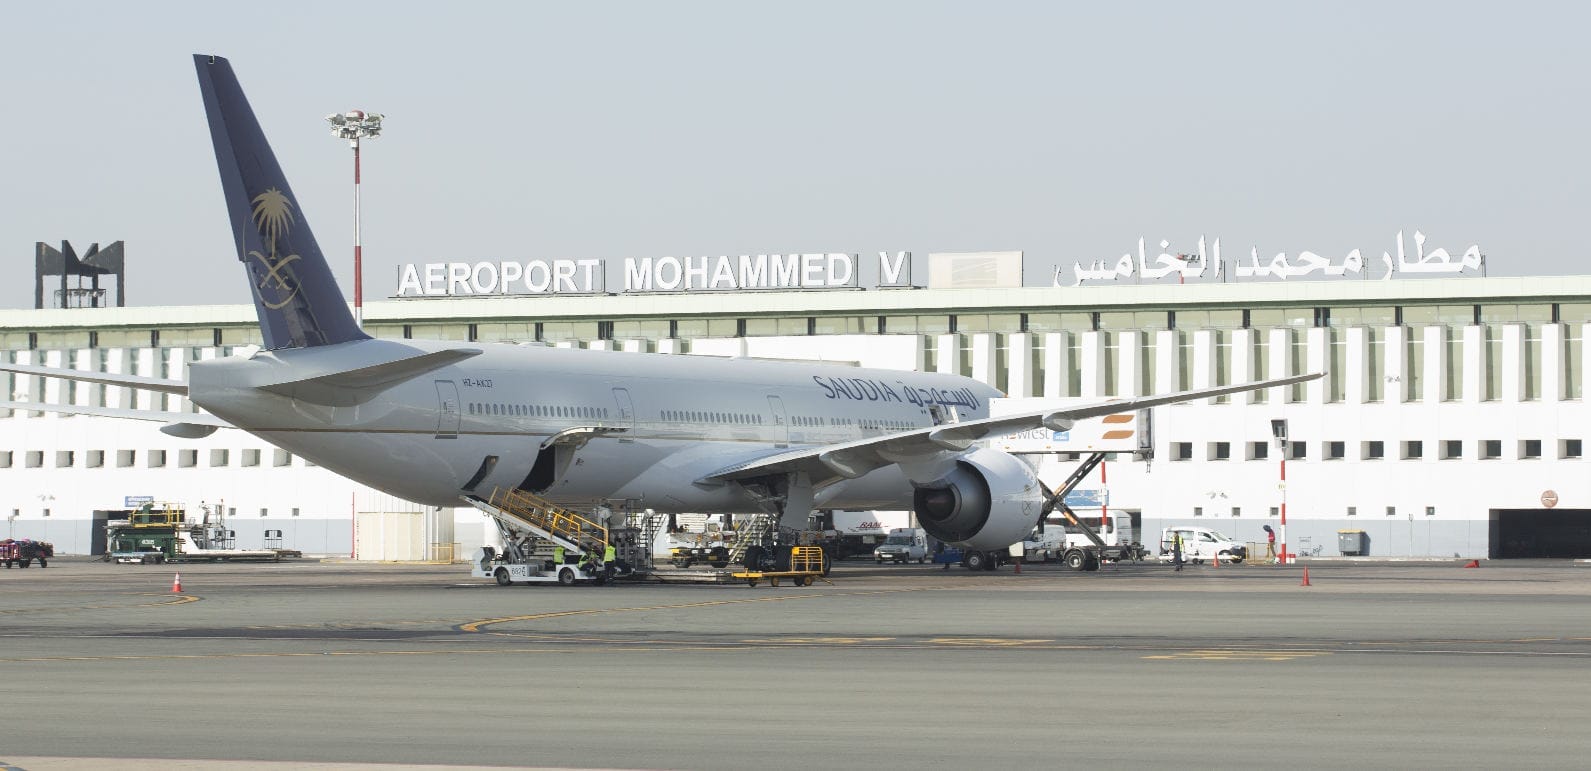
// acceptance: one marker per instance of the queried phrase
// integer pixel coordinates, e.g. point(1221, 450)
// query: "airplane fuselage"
point(647, 427)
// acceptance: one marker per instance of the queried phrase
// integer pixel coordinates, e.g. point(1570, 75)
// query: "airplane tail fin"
point(297, 299)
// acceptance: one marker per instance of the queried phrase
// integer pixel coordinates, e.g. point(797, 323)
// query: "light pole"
point(353, 126)
point(1279, 430)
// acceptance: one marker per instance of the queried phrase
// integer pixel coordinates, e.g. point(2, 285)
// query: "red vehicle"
point(25, 552)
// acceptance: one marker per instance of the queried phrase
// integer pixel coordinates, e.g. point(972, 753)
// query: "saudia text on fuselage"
point(862, 389)
point(813, 270)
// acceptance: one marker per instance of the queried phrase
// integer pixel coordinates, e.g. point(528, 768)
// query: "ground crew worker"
point(557, 555)
point(610, 559)
point(1270, 544)
point(1176, 549)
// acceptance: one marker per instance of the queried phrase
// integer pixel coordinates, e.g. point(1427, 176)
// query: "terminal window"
point(1373, 450)
point(1220, 451)
point(187, 458)
point(1452, 449)
point(5, 459)
point(1181, 451)
point(95, 459)
point(1491, 449)
point(1258, 450)
point(1569, 448)
point(251, 458)
point(157, 458)
point(125, 458)
point(1529, 449)
point(1392, 511)
point(1336, 450)
point(219, 458)
point(1297, 450)
point(1413, 449)
point(35, 459)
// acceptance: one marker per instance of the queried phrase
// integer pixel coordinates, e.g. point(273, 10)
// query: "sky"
point(543, 130)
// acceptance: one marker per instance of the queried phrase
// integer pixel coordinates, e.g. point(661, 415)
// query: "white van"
point(903, 544)
point(1200, 544)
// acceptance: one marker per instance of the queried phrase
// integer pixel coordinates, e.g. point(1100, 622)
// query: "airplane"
point(439, 422)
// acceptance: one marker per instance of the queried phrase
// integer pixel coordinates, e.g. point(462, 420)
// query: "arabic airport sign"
point(1198, 264)
point(642, 275)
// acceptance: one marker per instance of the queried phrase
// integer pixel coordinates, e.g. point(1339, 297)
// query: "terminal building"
point(1452, 419)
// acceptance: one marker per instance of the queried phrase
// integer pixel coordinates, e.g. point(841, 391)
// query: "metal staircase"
point(756, 531)
point(649, 523)
point(523, 511)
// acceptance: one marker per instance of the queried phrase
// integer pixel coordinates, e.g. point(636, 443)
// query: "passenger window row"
point(867, 425)
point(702, 416)
point(537, 410)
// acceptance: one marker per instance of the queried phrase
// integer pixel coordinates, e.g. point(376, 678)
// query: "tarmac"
point(306, 664)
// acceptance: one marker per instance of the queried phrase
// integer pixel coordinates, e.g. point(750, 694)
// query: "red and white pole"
point(1104, 500)
point(1285, 557)
point(359, 276)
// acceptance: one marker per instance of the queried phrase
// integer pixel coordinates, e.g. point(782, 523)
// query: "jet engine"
point(989, 501)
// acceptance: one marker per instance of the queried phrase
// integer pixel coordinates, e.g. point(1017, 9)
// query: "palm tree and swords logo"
point(273, 217)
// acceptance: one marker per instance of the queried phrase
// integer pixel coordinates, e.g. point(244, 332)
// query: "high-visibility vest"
point(610, 554)
point(557, 556)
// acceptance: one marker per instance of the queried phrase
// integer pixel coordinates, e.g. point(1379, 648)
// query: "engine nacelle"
point(990, 501)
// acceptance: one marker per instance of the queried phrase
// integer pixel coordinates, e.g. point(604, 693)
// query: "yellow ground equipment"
point(806, 566)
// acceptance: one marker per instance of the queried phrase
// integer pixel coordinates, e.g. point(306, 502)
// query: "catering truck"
point(1082, 543)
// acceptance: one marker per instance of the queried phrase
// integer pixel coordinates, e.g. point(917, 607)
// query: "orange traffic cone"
point(176, 584)
point(1306, 577)
point(1473, 564)
point(1215, 563)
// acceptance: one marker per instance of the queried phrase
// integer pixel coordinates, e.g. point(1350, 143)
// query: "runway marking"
point(817, 640)
point(719, 648)
point(178, 600)
point(1238, 655)
point(476, 626)
point(986, 642)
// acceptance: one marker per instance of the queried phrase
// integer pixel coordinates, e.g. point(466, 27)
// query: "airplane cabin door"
point(626, 413)
point(447, 412)
point(781, 424)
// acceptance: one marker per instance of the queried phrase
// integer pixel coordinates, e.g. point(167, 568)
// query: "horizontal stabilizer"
point(84, 376)
point(355, 386)
point(188, 430)
point(190, 421)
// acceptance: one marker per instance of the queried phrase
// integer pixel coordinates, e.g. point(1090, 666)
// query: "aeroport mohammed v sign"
point(745, 272)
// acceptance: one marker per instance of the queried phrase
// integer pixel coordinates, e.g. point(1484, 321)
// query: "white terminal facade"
point(1453, 420)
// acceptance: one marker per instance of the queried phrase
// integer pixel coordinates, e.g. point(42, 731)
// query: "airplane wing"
point(856, 458)
point(106, 378)
point(185, 425)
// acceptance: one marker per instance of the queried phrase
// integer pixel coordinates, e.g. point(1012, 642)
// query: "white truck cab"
point(1200, 544)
